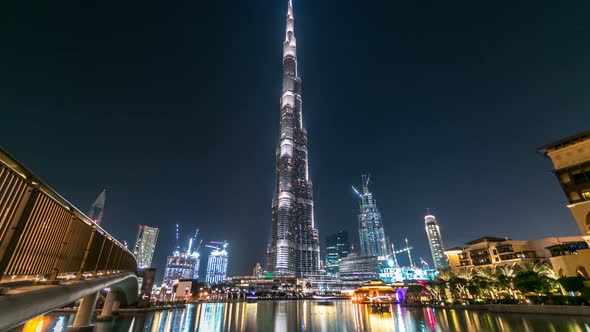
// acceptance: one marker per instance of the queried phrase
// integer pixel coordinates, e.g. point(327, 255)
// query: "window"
point(586, 195)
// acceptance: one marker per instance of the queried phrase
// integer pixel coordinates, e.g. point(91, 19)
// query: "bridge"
point(52, 254)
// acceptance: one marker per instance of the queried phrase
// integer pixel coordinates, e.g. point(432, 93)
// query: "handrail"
point(7, 159)
point(44, 235)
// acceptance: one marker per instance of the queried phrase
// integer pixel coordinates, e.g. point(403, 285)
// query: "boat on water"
point(380, 308)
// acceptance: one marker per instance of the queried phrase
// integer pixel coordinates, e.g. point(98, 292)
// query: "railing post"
point(95, 273)
point(86, 253)
point(106, 264)
point(62, 248)
point(16, 227)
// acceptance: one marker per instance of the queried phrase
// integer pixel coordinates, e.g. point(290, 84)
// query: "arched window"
point(581, 271)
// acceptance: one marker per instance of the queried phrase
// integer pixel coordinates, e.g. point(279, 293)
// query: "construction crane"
point(407, 249)
point(424, 263)
point(212, 247)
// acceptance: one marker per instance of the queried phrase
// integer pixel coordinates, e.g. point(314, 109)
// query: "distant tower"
point(371, 234)
point(294, 246)
point(337, 247)
point(183, 264)
point(257, 271)
point(435, 241)
point(145, 244)
point(97, 208)
point(217, 263)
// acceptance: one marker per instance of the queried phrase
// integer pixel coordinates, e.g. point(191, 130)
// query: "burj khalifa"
point(294, 247)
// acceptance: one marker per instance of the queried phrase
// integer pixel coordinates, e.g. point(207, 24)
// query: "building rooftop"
point(454, 249)
point(487, 239)
point(571, 140)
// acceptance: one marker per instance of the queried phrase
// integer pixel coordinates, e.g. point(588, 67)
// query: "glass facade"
point(435, 242)
point(294, 245)
point(181, 266)
point(145, 244)
point(337, 247)
point(217, 265)
point(371, 234)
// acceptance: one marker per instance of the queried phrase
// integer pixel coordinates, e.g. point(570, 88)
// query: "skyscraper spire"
point(294, 245)
point(97, 208)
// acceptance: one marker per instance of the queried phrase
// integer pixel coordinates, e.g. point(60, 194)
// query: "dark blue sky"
point(174, 107)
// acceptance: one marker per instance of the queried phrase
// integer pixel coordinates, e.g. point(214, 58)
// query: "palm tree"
point(464, 276)
point(445, 276)
point(535, 277)
point(487, 278)
point(505, 275)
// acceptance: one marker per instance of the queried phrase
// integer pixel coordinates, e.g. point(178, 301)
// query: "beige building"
point(493, 251)
point(571, 162)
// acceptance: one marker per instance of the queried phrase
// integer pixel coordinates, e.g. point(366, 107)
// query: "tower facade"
point(371, 234)
point(145, 244)
point(337, 247)
point(217, 265)
point(437, 248)
point(97, 208)
point(294, 246)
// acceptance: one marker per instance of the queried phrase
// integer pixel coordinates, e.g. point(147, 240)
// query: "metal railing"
point(43, 236)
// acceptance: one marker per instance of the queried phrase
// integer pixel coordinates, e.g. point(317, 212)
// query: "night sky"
point(174, 108)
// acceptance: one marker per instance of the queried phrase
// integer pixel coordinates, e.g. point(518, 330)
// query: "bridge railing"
point(43, 236)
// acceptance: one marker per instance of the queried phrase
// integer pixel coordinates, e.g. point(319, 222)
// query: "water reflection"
point(314, 316)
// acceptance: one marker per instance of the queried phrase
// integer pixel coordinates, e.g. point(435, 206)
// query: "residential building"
point(145, 245)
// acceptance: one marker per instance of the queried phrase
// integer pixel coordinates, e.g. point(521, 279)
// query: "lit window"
point(586, 195)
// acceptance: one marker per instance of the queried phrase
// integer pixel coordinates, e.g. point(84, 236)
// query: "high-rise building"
point(435, 242)
point(294, 245)
point(145, 244)
point(337, 247)
point(183, 264)
point(257, 270)
point(97, 208)
point(217, 264)
point(371, 233)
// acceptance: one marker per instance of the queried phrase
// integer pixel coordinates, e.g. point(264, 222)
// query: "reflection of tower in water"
point(281, 316)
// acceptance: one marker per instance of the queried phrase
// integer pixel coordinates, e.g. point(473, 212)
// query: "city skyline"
point(399, 112)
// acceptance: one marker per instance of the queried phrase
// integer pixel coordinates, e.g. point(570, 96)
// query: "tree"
point(505, 278)
point(535, 277)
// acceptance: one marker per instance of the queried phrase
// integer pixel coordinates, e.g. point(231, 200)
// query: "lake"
point(316, 316)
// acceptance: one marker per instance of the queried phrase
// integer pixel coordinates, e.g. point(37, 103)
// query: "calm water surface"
point(313, 316)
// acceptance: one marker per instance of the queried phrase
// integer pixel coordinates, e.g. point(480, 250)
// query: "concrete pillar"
point(84, 314)
point(107, 309)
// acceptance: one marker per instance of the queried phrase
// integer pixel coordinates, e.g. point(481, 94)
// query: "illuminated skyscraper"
point(183, 264)
point(217, 264)
point(145, 244)
point(371, 234)
point(337, 247)
point(97, 208)
point(437, 249)
point(294, 245)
